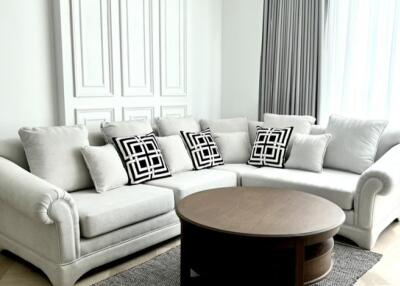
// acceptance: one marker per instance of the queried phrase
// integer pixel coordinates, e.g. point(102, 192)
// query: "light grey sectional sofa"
point(67, 234)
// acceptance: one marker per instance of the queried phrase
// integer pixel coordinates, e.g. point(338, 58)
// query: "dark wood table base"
point(227, 258)
point(257, 236)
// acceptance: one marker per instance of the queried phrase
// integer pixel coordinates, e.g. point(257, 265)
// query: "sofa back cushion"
point(96, 138)
point(318, 130)
point(175, 154)
point(12, 150)
point(300, 123)
point(125, 129)
point(173, 126)
point(354, 143)
point(389, 139)
point(315, 129)
point(253, 130)
point(238, 124)
point(54, 154)
point(235, 147)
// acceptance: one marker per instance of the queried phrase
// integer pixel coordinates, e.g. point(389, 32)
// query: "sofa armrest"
point(43, 203)
point(382, 178)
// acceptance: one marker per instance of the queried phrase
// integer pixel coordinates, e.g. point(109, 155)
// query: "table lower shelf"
point(235, 259)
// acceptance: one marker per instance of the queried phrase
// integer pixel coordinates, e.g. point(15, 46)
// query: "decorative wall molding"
point(92, 48)
point(92, 117)
point(174, 111)
point(136, 47)
point(173, 47)
point(135, 113)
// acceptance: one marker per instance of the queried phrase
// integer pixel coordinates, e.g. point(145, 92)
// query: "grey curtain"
point(290, 56)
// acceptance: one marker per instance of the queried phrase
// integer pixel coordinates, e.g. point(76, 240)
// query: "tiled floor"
point(15, 272)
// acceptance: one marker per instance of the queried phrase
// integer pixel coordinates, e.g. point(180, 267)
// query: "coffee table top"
point(263, 212)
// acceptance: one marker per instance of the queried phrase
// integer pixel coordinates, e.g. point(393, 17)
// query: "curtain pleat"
point(290, 56)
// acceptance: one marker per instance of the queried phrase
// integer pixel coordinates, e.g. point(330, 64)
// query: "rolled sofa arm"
point(42, 202)
point(381, 178)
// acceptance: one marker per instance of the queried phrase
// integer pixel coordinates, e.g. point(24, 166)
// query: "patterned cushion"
point(270, 147)
point(142, 158)
point(202, 149)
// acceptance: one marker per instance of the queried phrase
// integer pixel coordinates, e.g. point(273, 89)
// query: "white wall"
point(241, 47)
point(204, 57)
point(27, 66)
point(224, 40)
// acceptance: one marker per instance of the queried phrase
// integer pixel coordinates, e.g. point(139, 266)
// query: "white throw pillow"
point(238, 124)
point(173, 126)
point(354, 143)
point(125, 129)
point(308, 152)
point(53, 154)
point(105, 167)
point(175, 154)
point(234, 146)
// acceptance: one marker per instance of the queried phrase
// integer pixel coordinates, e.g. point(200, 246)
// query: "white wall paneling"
point(174, 111)
point(134, 113)
point(93, 117)
point(121, 60)
point(173, 47)
point(136, 47)
point(37, 79)
point(92, 43)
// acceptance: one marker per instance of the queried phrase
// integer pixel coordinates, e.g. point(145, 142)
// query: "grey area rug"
point(350, 263)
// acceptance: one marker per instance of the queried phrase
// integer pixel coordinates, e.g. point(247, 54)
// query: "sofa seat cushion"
point(336, 186)
point(238, 169)
point(146, 232)
point(186, 183)
point(108, 211)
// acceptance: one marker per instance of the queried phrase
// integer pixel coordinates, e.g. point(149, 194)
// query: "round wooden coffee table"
point(281, 237)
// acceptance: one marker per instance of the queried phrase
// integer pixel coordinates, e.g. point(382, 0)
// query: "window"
point(360, 73)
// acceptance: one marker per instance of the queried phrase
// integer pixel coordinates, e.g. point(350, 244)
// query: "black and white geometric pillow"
point(142, 158)
point(202, 149)
point(270, 147)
